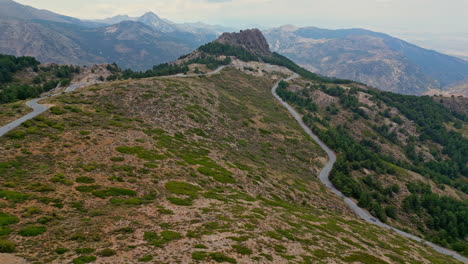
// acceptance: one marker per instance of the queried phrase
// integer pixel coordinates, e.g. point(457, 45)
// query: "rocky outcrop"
point(250, 39)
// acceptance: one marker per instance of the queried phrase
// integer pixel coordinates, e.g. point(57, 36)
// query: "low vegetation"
point(162, 170)
point(440, 217)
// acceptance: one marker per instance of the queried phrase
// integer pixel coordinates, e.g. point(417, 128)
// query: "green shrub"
point(114, 192)
point(4, 231)
point(364, 258)
point(146, 258)
point(150, 236)
point(220, 257)
point(242, 250)
point(199, 255)
point(87, 188)
point(160, 240)
point(200, 246)
point(124, 230)
point(40, 187)
point(180, 201)
point(165, 211)
point(13, 196)
point(60, 178)
point(61, 251)
point(57, 110)
point(142, 153)
point(170, 235)
point(84, 259)
point(107, 252)
point(117, 159)
point(6, 246)
point(184, 188)
point(32, 231)
point(44, 220)
point(130, 201)
point(16, 134)
point(7, 219)
point(84, 179)
point(219, 174)
point(32, 210)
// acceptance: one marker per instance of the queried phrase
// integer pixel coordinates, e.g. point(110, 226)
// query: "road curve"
point(218, 70)
point(324, 178)
point(37, 109)
point(324, 174)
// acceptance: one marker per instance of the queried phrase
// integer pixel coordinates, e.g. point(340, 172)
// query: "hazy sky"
point(404, 15)
point(434, 24)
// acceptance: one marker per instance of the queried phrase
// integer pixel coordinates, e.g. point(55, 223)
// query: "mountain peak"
point(150, 15)
point(152, 20)
point(250, 39)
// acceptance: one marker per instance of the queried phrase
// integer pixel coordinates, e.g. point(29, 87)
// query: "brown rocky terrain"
point(198, 169)
point(180, 170)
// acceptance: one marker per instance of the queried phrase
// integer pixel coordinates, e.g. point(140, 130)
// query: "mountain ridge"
point(369, 57)
point(225, 171)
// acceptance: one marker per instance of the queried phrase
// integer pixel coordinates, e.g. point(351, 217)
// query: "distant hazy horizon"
point(433, 24)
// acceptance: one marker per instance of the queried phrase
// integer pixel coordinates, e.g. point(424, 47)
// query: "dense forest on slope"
point(444, 218)
point(11, 64)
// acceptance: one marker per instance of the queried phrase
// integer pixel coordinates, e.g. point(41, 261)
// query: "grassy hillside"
point(397, 155)
point(178, 170)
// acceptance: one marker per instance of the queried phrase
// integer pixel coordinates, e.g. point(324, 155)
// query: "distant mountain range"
point(164, 25)
point(369, 57)
point(139, 43)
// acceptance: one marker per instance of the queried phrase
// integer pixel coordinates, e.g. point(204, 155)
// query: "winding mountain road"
point(39, 108)
point(324, 174)
point(324, 178)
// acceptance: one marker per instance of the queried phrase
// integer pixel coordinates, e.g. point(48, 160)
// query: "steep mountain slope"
point(26, 38)
point(180, 170)
point(12, 10)
point(400, 141)
point(396, 158)
point(194, 169)
point(369, 57)
point(54, 38)
point(131, 44)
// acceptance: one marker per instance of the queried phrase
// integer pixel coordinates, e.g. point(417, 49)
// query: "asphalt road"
point(218, 70)
point(37, 109)
point(324, 178)
point(324, 174)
